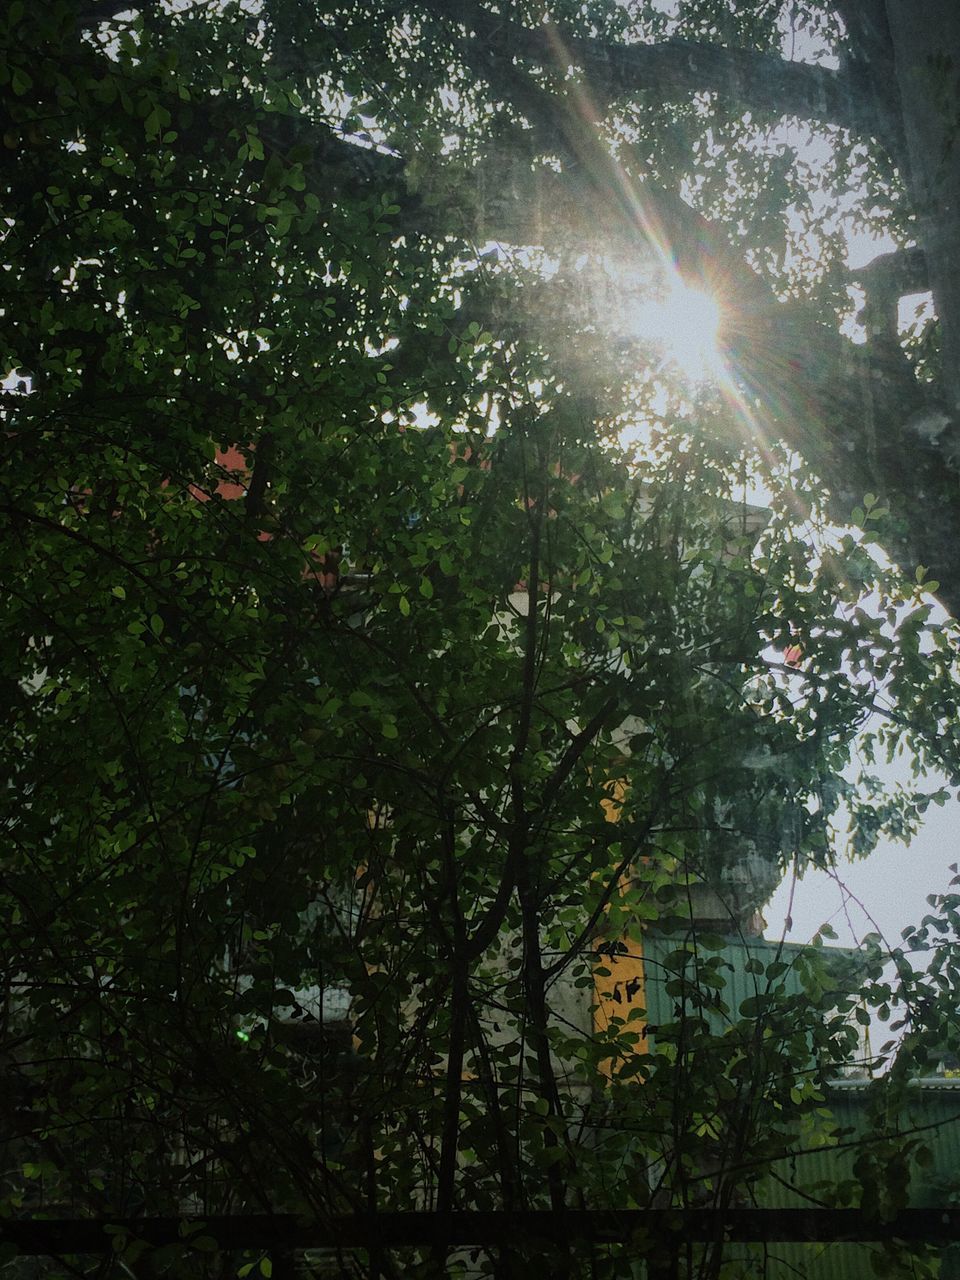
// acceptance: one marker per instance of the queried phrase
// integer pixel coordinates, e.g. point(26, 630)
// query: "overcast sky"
point(883, 893)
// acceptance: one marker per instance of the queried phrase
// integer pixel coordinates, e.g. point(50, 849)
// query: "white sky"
point(883, 893)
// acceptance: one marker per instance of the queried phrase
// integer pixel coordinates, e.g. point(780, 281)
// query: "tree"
point(342, 616)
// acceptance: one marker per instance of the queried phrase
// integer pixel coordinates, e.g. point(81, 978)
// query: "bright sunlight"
point(684, 322)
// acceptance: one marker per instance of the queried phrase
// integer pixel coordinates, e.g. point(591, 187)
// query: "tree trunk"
point(925, 36)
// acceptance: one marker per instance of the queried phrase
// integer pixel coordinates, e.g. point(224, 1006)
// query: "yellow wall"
point(618, 977)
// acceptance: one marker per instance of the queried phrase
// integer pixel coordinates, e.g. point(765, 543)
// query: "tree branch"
point(758, 81)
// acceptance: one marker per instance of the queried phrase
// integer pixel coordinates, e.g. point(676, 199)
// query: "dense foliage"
point(387, 634)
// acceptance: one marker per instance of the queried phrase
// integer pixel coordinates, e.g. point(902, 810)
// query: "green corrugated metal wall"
point(662, 962)
point(934, 1107)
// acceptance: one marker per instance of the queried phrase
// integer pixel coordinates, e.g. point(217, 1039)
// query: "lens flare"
point(685, 323)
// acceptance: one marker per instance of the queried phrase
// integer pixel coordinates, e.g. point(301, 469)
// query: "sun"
point(685, 323)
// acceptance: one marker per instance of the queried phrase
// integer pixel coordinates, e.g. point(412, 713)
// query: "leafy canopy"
point(358, 570)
